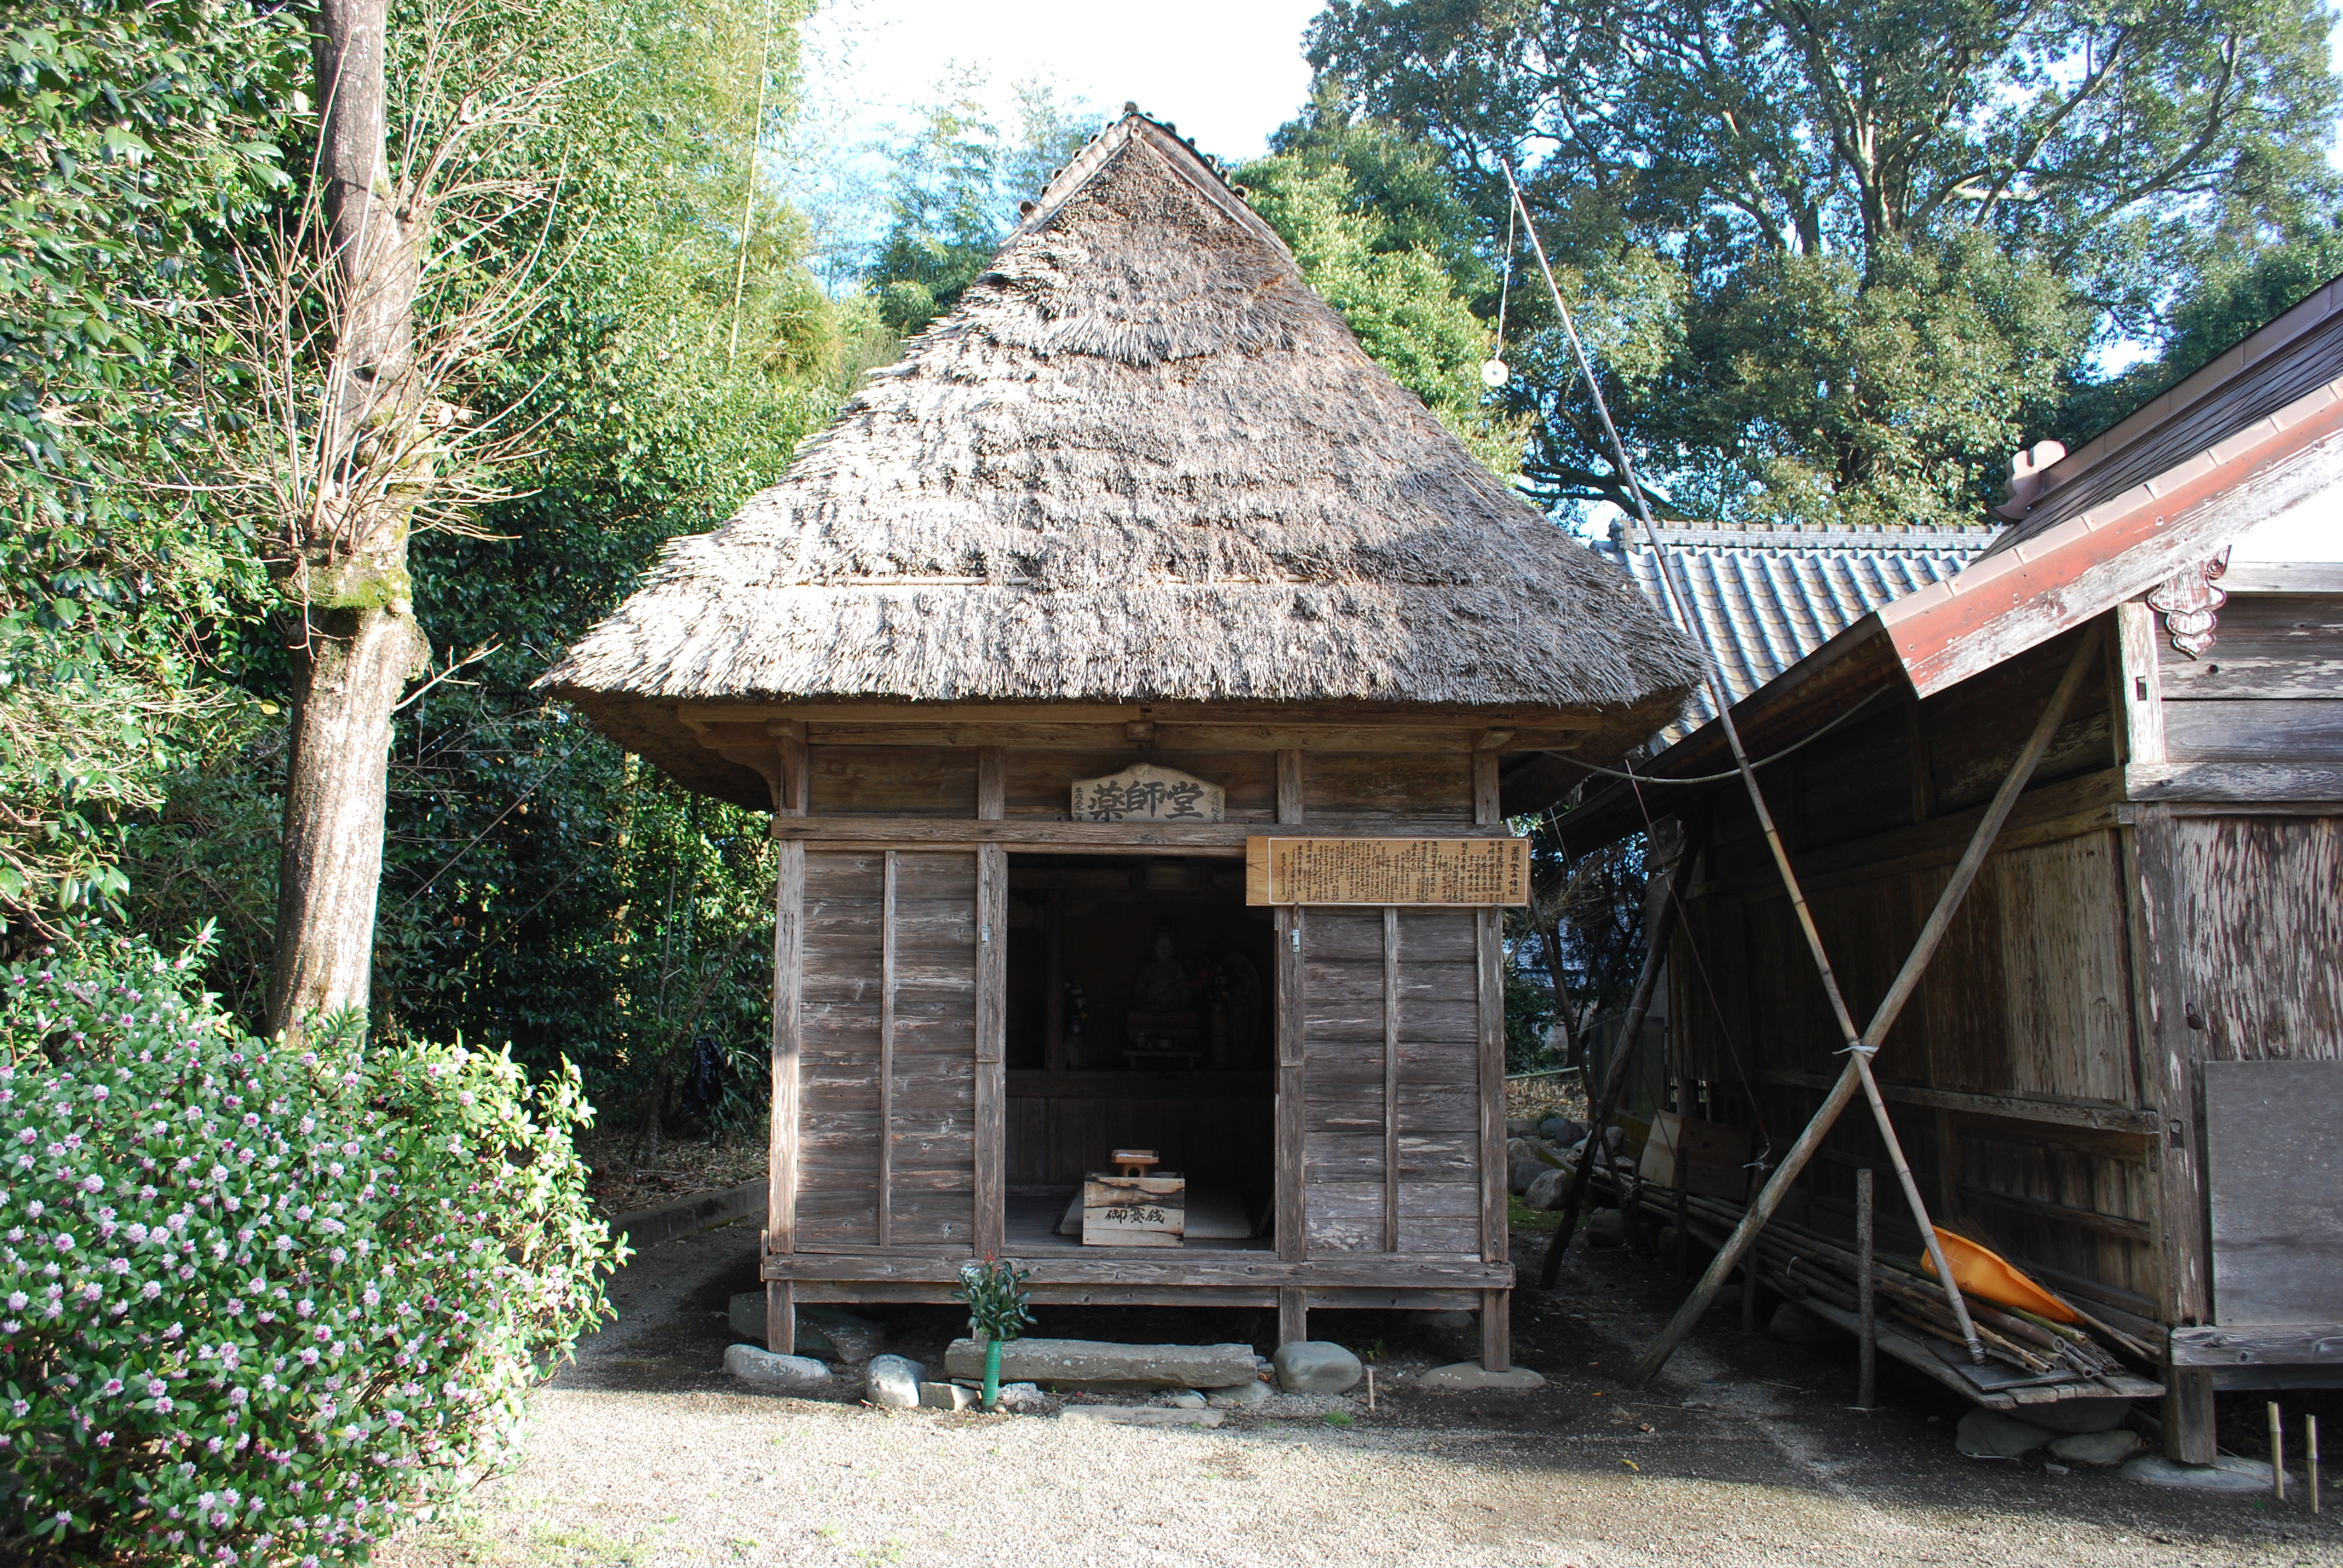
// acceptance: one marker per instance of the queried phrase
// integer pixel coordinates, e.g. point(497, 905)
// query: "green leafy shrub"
point(259, 1305)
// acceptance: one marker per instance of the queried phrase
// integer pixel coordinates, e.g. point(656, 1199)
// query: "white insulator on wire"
point(1493, 373)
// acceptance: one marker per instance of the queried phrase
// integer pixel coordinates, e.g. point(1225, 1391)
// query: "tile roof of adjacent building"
point(1763, 598)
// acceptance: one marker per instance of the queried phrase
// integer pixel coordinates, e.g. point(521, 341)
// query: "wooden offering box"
point(1134, 1211)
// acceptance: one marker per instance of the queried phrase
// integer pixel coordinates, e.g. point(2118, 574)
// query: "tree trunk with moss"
point(356, 643)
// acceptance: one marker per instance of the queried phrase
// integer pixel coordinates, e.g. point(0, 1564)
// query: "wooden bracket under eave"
point(775, 747)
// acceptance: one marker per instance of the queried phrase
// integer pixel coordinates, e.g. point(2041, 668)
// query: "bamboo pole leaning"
point(1858, 1067)
point(1859, 1046)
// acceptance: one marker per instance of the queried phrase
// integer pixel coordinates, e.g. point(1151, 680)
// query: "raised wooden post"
point(1293, 1198)
point(788, 989)
point(1866, 1307)
point(1293, 1314)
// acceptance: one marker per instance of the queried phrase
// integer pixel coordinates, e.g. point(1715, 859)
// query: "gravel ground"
point(642, 1454)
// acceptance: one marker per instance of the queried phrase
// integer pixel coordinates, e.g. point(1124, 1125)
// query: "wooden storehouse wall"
point(2013, 1074)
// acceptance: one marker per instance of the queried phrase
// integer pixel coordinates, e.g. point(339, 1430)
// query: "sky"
point(1228, 72)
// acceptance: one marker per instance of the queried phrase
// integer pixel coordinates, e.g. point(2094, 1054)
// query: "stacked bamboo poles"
point(1799, 1263)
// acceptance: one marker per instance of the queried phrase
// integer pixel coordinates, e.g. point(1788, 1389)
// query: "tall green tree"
point(1379, 232)
point(1840, 258)
point(953, 185)
point(136, 140)
point(538, 886)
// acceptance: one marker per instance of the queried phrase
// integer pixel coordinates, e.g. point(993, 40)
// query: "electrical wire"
point(1634, 778)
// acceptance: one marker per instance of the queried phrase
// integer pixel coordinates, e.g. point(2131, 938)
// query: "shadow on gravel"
point(1734, 1410)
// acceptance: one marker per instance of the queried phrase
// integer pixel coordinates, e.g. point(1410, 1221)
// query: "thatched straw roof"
point(1140, 461)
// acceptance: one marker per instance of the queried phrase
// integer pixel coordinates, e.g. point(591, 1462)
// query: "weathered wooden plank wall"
point(2013, 1075)
point(1365, 1105)
point(2262, 934)
point(886, 1051)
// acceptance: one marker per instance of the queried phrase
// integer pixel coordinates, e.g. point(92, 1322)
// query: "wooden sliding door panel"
point(887, 1050)
point(1392, 1048)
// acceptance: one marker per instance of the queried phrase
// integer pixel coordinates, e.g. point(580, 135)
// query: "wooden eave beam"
point(741, 737)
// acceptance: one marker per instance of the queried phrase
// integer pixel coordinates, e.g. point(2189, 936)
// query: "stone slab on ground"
point(2226, 1473)
point(1315, 1366)
point(2095, 1447)
point(948, 1396)
point(761, 1368)
point(1237, 1396)
point(1472, 1377)
point(1989, 1435)
point(1101, 1364)
point(1140, 1415)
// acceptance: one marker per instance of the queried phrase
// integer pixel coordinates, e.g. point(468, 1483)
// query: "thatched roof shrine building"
point(1134, 557)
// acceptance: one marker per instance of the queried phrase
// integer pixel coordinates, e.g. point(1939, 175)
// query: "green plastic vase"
point(991, 1374)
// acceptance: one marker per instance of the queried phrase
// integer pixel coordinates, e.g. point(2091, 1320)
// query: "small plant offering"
point(997, 1302)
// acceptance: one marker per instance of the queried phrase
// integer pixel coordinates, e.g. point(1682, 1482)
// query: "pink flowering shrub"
point(261, 1305)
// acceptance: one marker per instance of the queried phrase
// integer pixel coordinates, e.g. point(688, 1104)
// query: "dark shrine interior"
point(1162, 1036)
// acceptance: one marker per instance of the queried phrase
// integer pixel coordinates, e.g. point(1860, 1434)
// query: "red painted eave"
point(2012, 600)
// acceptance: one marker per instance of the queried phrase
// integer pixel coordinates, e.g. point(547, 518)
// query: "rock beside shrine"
point(1794, 1323)
point(2095, 1447)
point(1185, 1399)
point(1527, 1159)
point(1472, 1377)
point(763, 1369)
point(1140, 1415)
point(1606, 1228)
point(893, 1382)
point(1561, 1131)
point(1549, 1192)
point(1101, 1364)
point(1989, 1435)
point(1316, 1366)
point(949, 1396)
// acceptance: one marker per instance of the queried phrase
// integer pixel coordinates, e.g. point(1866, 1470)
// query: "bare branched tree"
point(366, 322)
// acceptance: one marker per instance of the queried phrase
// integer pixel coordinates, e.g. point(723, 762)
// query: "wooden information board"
point(1483, 871)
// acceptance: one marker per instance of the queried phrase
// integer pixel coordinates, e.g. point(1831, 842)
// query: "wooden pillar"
point(2168, 1048)
point(886, 1190)
point(1390, 1079)
point(1292, 1216)
point(790, 791)
point(1292, 1212)
point(991, 1010)
point(1293, 1314)
point(1496, 1306)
